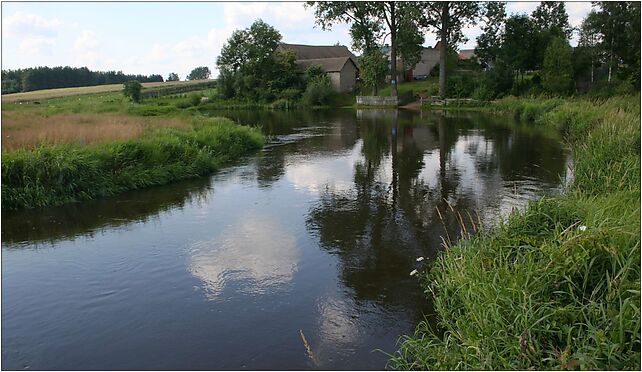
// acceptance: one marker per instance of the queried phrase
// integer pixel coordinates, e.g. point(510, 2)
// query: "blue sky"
point(148, 37)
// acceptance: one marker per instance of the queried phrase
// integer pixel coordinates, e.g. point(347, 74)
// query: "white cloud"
point(36, 45)
point(86, 41)
point(22, 23)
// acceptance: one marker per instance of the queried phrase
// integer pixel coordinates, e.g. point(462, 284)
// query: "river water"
point(297, 257)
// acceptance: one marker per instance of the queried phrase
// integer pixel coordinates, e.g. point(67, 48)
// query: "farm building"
point(429, 59)
point(336, 60)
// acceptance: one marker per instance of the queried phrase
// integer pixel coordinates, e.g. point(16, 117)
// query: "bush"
point(318, 92)
point(459, 86)
point(290, 94)
point(131, 89)
point(195, 99)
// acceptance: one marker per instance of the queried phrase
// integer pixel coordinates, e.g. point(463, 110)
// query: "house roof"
point(318, 51)
point(329, 64)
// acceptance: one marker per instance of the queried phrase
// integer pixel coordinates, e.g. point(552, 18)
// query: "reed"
point(61, 173)
point(557, 286)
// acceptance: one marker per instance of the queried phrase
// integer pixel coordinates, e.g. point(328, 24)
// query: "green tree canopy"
point(489, 43)
point(172, 77)
point(131, 89)
point(199, 73)
point(447, 19)
point(557, 70)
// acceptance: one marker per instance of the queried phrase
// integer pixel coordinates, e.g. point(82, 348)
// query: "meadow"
point(556, 286)
point(65, 92)
point(76, 148)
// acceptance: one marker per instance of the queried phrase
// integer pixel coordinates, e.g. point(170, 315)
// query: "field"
point(64, 92)
point(78, 147)
point(556, 286)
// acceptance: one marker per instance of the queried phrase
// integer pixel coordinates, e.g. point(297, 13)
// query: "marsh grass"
point(557, 286)
point(56, 174)
point(24, 130)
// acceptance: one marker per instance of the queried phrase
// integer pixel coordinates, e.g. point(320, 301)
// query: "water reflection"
point(316, 233)
point(254, 253)
point(89, 218)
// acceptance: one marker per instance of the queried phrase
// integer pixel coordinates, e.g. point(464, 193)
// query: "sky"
point(163, 37)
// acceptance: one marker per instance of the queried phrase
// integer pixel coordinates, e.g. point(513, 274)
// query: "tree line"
point(25, 80)
point(509, 48)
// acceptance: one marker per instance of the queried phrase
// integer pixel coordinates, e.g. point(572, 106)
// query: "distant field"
point(63, 92)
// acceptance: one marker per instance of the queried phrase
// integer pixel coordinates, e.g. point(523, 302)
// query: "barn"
point(336, 60)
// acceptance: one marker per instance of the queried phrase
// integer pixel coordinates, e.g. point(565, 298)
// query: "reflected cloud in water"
point(255, 254)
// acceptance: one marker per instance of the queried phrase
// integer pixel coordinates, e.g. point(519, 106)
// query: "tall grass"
point(26, 130)
point(57, 174)
point(557, 286)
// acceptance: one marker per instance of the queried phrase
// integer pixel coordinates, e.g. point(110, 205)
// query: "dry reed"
point(23, 130)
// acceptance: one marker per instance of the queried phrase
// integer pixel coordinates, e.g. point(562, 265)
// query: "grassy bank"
point(557, 286)
point(56, 174)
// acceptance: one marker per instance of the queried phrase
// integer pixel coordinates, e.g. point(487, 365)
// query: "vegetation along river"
point(313, 238)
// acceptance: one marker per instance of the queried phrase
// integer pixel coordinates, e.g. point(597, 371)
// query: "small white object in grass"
point(419, 259)
point(582, 228)
point(413, 272)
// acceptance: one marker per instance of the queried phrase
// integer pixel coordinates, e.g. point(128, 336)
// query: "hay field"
point(63, 92)
point(30, 129)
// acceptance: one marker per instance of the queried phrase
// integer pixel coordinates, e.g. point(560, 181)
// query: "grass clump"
point(56, 174)
point(557, 286)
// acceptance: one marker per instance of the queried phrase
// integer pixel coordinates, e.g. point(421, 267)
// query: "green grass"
point(57, 174)
point(557, 286)
point(429, 86)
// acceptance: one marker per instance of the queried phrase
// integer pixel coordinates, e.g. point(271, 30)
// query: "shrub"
point(194, 99)
point(318, 92)
point(131, 89)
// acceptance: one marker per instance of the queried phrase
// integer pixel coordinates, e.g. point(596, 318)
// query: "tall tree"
point(587, 54)
point(519, 45)
point(557, 70)
point(489, 43)
point(447, 19)
point(172, 77)
point(551, 16)
point(619, 24)
point(366, 20)
point(550, 21)
point(365, 31)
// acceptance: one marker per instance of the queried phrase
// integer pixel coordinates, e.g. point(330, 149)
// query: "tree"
point(447, 19)
point(172, 77)
point(131, 89)
point(587, 54)
point(557, 70)
point(549, 21)
point(619, 26)
point(199, 73)
point(519, 46)
point(373, 68)
point(410, 41)
point(489, 43)
point(551, 16)
point(366, 20)
point(248, 58)
point(365, 31)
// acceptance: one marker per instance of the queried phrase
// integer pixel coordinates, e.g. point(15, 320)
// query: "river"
point(296, 257)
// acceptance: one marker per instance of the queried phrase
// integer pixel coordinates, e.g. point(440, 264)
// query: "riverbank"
point(557, 286)
point(61, 173)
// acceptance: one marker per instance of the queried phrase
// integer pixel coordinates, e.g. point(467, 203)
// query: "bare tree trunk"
point(444, 49)
point(393, 50)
